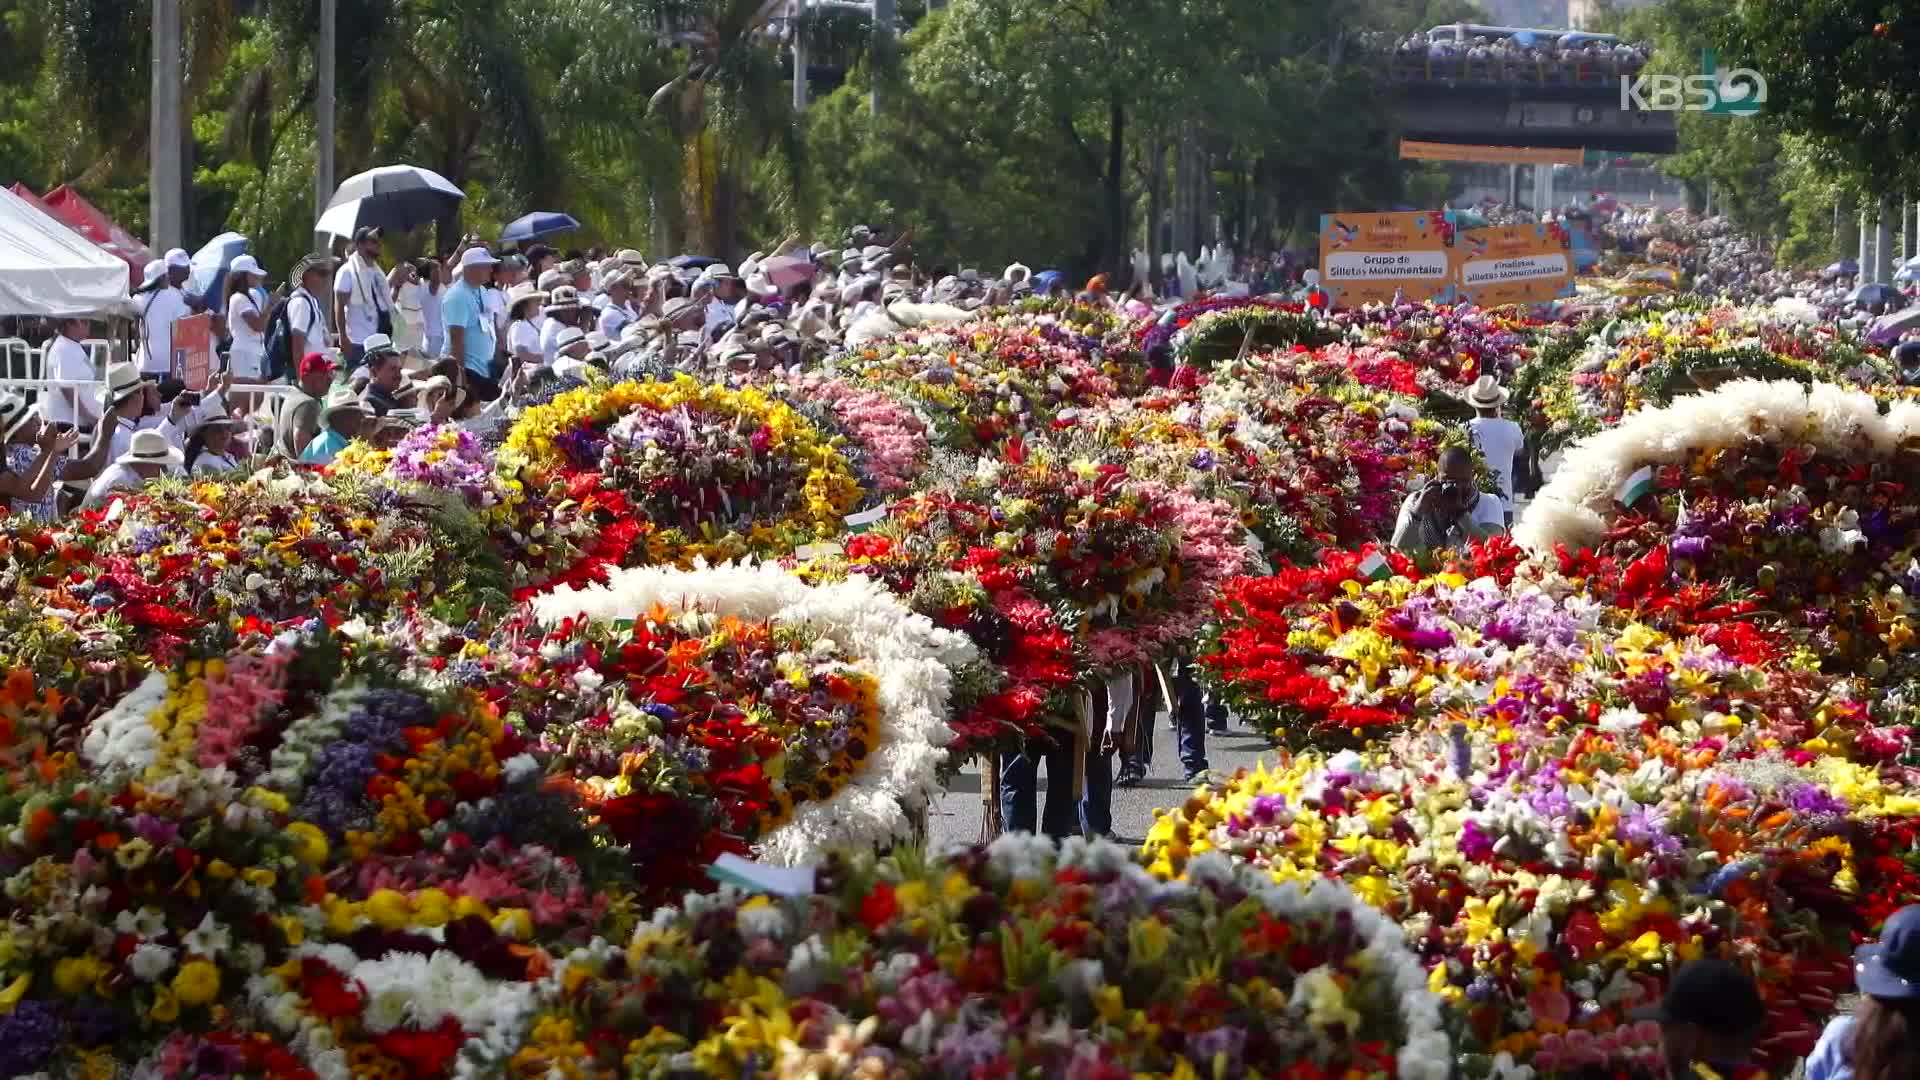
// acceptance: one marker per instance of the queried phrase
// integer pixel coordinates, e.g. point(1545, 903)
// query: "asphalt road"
point(956, 816)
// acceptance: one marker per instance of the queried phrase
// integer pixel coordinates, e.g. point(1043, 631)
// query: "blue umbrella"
point(535, 225)
point(1844, 268)
point(1047, 279)
point(209, 277)
point(1909, 270)
point(691, 262)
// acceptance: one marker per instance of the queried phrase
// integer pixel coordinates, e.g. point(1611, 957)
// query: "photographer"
point(1448, 509)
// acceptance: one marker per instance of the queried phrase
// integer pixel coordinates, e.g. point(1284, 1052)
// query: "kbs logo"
point(1739, 92)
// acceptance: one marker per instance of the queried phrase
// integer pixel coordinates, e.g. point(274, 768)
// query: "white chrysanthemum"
point(150, 961)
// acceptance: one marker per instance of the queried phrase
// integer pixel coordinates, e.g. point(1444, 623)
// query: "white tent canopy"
point(48, 269)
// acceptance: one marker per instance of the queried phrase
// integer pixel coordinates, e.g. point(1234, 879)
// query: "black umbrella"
point(397, 197)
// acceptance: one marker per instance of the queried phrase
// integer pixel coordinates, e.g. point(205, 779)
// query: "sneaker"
point(1129, 776)
point(1200, 776)
point(1218, 729)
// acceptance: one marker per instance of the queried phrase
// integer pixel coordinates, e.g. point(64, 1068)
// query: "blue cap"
point(1890, 967)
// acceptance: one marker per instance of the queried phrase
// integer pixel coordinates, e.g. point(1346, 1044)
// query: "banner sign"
point(193, 351)
point(1415, 150)
point(1369, 258)
point(1426, 255)
point(1515, 264)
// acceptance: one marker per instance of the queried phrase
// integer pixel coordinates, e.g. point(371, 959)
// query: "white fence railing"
point(21, 359)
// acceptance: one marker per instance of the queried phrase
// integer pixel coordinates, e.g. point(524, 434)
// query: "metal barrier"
point(20, 359)
point(272, 397)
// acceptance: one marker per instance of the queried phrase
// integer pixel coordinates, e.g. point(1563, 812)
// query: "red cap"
point(316, 363)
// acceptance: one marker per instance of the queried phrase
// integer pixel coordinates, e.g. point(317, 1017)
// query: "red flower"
point(427, 1052)
point(878, 907)
point(327, 990)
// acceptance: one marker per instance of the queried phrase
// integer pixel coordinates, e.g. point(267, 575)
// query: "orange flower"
point(40, 824)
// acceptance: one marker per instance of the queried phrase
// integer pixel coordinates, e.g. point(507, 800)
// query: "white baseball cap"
point(178, 259)
point(477, 256)
point(245, 264)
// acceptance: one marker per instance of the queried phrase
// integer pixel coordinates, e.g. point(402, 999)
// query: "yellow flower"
point(432, 907)
point(388, 909)
point(166, 1008)
point(74, 974)
point(15, 990)
point(197, 983)
point(310, 844)
point(515, 923)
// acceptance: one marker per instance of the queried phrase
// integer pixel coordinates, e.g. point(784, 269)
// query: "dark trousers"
point(1192, 712)
point(1020, 788)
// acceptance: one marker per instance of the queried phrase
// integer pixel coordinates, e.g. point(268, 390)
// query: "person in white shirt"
point(134, 404)
point(69, 361)
point(523, 340)
point(619, 310)
point(165, 303)
point(210, 449)
point(307, 324)
point(361, 295)
point(246, 322)
point(562, 309)
point(1448, 509)
point(148, 457)
point(433, 286)
point(1499, 439)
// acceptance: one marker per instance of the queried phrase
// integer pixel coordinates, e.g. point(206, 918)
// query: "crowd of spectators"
point(1568, 59)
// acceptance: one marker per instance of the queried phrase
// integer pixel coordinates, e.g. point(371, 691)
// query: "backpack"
point(280, 359)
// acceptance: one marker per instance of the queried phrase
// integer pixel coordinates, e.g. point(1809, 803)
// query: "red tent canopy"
point(70, 208)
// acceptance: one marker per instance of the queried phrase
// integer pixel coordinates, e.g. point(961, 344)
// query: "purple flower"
point(29, 1036)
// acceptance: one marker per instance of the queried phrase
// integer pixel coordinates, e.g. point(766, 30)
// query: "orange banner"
point(1414, 150)
point(1368, 258)
point(1514, 264)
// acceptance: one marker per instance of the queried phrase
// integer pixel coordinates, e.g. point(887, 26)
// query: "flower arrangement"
point(1553, 865)
point(667, 473)
point(981, 383)
point(797, 717)
point(1777, 506)
point(269, 839)
point(178, 562)
point(862, 976)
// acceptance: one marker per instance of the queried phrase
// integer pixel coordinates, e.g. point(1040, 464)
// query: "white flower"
point(588, 679)
point(146, 923)
point(209, 939)
point(519, 767)
point(150, 961)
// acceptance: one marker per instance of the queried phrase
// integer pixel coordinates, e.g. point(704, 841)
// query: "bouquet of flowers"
point(673, 472)
point(270, 839)
point(737, 708)
point(861, 976)
point(1766, 504)
point(982, 383)
point(177, 561)
point(1552, 870)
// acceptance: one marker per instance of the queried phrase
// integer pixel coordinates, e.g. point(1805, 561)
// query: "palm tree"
point(728, 110)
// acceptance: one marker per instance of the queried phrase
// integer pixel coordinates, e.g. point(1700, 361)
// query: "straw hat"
point(521, 293)
point(123, 381)
point(14, 414)
point(150, 447)
point(564, 298)
point(342, 399)
point(1486, 393)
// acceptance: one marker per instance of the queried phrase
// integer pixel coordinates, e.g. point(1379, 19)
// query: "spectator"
point(149, 456)
point(340, 420)
point(1499, 439)
point(1711, 1015)
point(362, 296)
point(165, 304)
point(465, 308)
point(19, 426)
point(68, 361)
point(210, 447)
point(299, 420)
point(307, 325)
point(1881, 1040)
point(386, 370)
point(562, 310)
point(1448, 509)
point(246, 323)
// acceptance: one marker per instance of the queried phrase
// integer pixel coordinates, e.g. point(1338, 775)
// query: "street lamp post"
point(166, 195)
point(324, 107)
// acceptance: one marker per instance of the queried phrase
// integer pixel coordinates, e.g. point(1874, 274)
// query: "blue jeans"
point(1192, 711)
point(1020, 788)
point(1111, 701)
